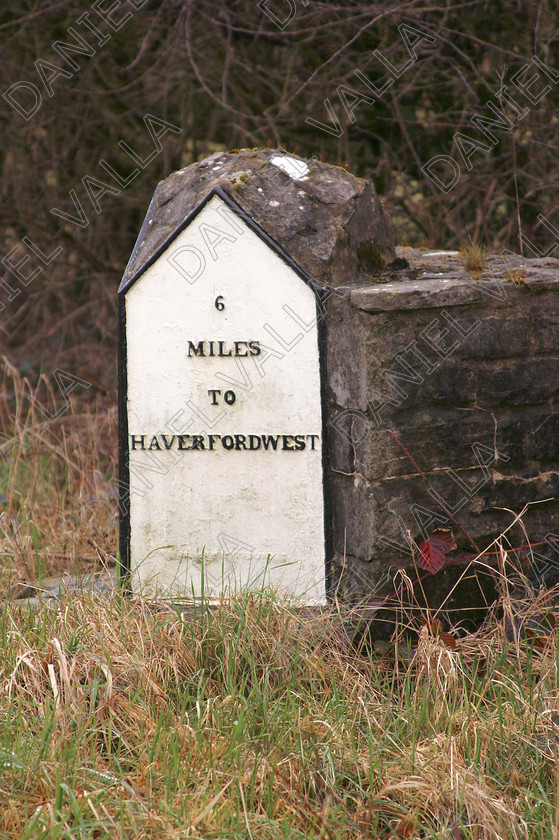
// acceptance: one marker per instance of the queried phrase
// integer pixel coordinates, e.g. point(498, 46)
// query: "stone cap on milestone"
point(330, 222)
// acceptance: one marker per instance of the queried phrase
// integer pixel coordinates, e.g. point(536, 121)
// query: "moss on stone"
point(370, 257)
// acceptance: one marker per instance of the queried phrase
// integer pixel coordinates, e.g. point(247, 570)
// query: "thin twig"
point(434, 492)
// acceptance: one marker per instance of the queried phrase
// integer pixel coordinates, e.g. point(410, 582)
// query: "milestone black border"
point(123, 452)
point(123, 436)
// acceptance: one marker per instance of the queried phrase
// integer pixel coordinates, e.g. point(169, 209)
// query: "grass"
point(57, 477)
point(473, 257)
point(121, 718)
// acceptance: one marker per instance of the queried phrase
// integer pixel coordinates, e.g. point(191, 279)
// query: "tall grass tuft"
point(57, 470)
point(473, 257)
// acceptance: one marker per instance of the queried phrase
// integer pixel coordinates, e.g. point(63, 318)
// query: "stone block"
point(462, 368)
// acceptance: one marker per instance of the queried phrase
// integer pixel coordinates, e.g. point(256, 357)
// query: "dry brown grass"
point(249, 720)
point(120, 718)
point(57, 466)
point(473, 257)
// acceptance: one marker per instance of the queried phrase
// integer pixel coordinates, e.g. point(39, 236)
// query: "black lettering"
point(214, 398)
point(270, 440)
point(137, 439)
point(212, 348)
point(254, 348)
point(238, 345)
point(222, 351)
point(198, 348)
point(240, 443)
point(154, 443)
point(229, 397)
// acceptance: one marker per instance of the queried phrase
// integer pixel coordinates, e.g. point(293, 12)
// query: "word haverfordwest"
point(288, 443)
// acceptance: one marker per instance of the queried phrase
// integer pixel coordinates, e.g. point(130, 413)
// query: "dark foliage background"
point(227, 76)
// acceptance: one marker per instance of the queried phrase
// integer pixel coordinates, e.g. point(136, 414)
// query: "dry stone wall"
point(463, 368)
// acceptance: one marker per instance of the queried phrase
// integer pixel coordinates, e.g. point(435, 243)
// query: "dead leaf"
point(435, 625)
point(448, 640)
point(404, 827)
point(432, 552)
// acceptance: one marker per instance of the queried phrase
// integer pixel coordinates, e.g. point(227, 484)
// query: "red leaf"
point(435, 625)
point(448, 640)
point(445, 536)
point(432, 552)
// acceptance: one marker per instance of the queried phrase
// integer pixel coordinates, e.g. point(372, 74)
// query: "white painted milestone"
point(224, 418)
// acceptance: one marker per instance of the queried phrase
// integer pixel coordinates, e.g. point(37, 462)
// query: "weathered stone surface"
point(329, 221)
point(50, 591)
point(412, 294)
point(464, 370)
point(440, 439)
